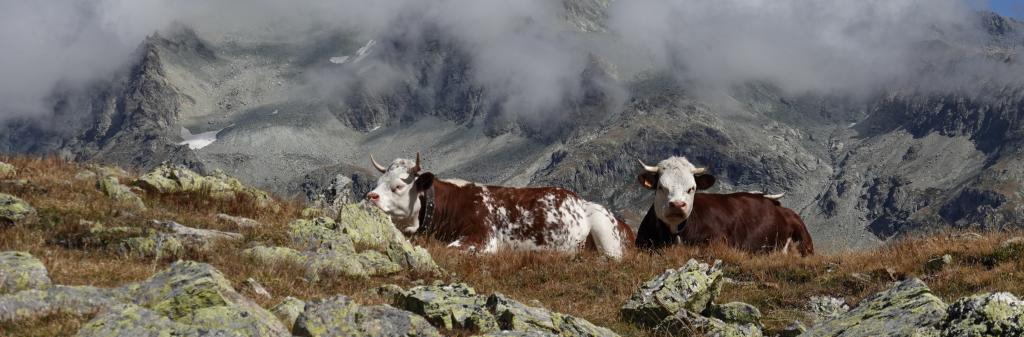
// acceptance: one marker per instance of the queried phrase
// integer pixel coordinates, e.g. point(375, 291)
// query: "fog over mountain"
point(878, 118)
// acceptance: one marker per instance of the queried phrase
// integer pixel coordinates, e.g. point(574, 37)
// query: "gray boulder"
point(908, 309)
point(686, 323)
point(21, 271)
point(13, 209)
point(289, 310)
point(458, 306)
point(7, 170)
point(76, 300)
point(113, 189)
point(823, 308)
point(691, 287)
point(736, 313)
point(338, 316)
point(993, 314)
point(129, 320)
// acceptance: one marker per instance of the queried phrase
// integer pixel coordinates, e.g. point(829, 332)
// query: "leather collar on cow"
point(427, 200)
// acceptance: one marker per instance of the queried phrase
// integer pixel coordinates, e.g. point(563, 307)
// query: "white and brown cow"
point(750, 221)
point(487, 218)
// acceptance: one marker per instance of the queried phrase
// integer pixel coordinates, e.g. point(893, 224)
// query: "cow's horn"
point(648, 168)
point(377, 165)
point(416, 169)
point(699, 170)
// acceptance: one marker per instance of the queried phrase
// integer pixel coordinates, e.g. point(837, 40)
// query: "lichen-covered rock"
point(13, 209)
point(338, 316)
point(691, 287)
point(7, 170)
point(516, 316)
point(275, 255)
point(129, 320)
point(793, 329)
point(993, 314)
point(77, 300)
point(823, 308)
point(113, 189)
point(518, 334)
point(319, 234)
point(686, 323)
point(196, 237)
point(21, 271)
point(175, 179)
point(289, 310)
point(239, 221)
point(737, 313)
point(197, 294)
point(908, 309)
point(455, 306)
point(134, 241)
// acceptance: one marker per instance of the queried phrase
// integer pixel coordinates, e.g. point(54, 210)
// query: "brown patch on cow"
point(748, 221)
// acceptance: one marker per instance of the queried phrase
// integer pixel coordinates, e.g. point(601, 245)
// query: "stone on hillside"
point(109, 171)
point(141, 242)
point(289, 310)
point(1010, 250)
point(113, 189)
point(686, 323)
point(257, 288)
point(737, 313)
point(937, 264)
point(275, 255)
point(823, 308)
point(319, 234)
point(455, 306)
point(518, 334)
point(196, 237)
point(993, 314)
point(793, 329)
point(13, 209)
point(691, 287)
point(7, 170)
point(516, 316)
point(908, 309)
point(242, 222)
point(129, 320)
point(338, 316)
point(77, 300)
point(21, 271)
point(175, 179)
point(197, 294)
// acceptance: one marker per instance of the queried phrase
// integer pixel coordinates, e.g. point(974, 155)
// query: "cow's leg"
point(602, 228)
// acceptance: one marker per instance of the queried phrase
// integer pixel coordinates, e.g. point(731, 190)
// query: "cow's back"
point(746, 220)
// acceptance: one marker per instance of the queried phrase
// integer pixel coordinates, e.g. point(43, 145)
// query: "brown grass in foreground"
point(587, 285)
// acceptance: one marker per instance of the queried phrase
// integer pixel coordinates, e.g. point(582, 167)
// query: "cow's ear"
point(648, 179)
point(424, 181)
point(705, 181)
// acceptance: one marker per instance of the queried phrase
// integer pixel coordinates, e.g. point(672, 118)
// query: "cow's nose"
point(678, 204)
point(373, 196)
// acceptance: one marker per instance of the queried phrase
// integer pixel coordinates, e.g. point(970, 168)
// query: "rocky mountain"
point(860, 170)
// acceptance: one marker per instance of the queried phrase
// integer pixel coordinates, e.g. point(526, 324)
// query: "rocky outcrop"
point(339, 316)
point(361, 243)
point(823, 308)
point(13, 209)
point(195, 237)
point(458, 306)
point(908, 309)
point(160, 239)
point(241, 222)
point(21, 271)
point(993, 314)
point(112, 188)
point(176, 179)
point(687, 323)
point(691, 287)
point(288, 310)
point(185, 298)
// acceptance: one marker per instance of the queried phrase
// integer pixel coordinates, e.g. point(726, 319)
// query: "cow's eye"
point(691, 190)
point(396, 188)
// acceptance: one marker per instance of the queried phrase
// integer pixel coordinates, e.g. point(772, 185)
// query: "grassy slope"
point(587, 285)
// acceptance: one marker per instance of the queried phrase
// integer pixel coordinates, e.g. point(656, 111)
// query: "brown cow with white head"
point(750, 221)
point(488, 218)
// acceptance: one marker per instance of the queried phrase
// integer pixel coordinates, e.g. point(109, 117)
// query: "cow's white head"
point(398, 190)
point(675, 181)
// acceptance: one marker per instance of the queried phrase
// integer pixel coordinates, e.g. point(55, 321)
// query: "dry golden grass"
point(587, 285)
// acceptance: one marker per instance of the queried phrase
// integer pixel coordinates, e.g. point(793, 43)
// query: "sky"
point(1014, 8)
